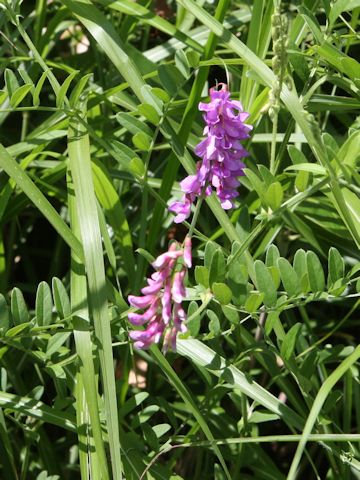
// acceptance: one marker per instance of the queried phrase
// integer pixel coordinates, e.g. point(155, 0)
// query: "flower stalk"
point(279, 61)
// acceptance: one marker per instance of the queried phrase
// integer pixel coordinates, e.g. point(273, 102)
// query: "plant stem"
point(273, 142)
point(195, 217)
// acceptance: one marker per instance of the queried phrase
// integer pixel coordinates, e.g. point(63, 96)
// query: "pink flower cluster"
point(162, 299)
point(220, 151)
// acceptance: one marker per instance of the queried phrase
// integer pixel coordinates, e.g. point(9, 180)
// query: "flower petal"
point(140, 302)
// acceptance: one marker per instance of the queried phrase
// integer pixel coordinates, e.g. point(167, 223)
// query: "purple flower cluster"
point(220, 151)
point(162, 299)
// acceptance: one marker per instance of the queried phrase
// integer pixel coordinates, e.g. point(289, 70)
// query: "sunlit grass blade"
point(145, 15)
point(204, 356)
point(87, 392)
point(259, 27)
point(105, 34)
point(80, 167)
point(83, 425)
point(199, 34)
point(36, 409)
point(319, 401)
point(189, 401)
point(110, 201)
point(15, 172)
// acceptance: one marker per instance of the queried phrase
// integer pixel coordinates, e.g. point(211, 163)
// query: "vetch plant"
point(162, 299)
point(221, 153)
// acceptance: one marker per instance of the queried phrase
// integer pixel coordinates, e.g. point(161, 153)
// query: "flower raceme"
point(220, 152)
point(162, 299)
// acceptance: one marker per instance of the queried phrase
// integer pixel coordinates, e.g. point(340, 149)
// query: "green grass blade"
point(317, 405)
point(88, 381)
point(36, 409)
point(185, 395)
point(15, 172)
point(105, 35)
point(83, 425)
point(7, 455)
point(200, 34)
point(204, 356)
point(110, 201)
point(146, 16)
point(80, 166)
point(87, 389)
point(258, 26)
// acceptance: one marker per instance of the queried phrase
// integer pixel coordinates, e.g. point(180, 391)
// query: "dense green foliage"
point(99, 118)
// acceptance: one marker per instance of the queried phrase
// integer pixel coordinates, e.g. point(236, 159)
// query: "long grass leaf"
point(15, 172)
point(87, 390)
point(80, 166)
point(36, 409)
point(204, 356)
point(146, 16)
point(105, 34)
point(317, 405)
point(83, 426)
point(110, 201)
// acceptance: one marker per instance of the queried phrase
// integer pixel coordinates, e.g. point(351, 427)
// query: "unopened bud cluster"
point(279, 61)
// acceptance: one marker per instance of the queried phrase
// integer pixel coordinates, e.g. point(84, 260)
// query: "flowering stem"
point(279, 34)
point(196, 215)
point(273, 143)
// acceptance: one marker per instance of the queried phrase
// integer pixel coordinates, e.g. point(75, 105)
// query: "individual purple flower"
point(220, 153)
point(162, 299)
